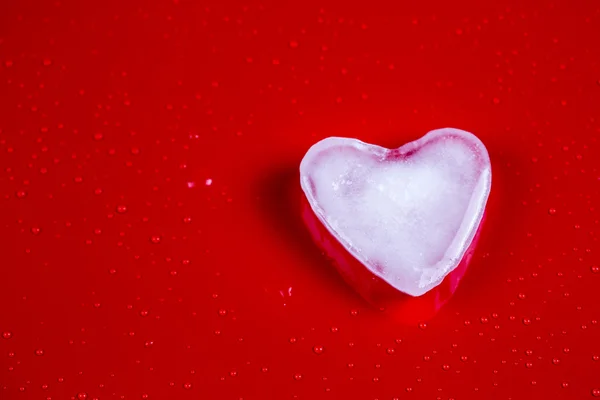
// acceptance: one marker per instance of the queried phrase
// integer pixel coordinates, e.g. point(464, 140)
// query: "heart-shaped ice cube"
point(408, 215)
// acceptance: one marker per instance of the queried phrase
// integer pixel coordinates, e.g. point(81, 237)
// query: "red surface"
point(125, 275)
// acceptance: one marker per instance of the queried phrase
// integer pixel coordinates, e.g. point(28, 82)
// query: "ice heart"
point(408, 215)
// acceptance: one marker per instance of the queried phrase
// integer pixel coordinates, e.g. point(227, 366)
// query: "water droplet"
point(596, 392)
point(292, 340)
point(445, 367)
point(526, 321)
point(334, 329)
point(149, 343)
point(297, 377)
point(39, 352)
point(155, 239)
point(7, 335)
point(555, 361)
point(208, 182)
point(187, 220)
point(187, 385)
point(551, 211)
point(144, 313)
point(121, 209)
point(565, 385)
point(354, 312)
point(35, 230)
point(390, 350)
point(82, 396)
point(595, 269)
point(423, 325)
point(222, 312)
point(318, 349)
point(21, 194)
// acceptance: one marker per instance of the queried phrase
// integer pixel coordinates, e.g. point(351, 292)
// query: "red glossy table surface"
point(151, 234)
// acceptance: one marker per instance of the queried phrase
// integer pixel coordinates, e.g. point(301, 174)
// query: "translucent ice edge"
point(407, 214)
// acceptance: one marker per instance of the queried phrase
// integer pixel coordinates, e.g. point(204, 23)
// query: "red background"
point(125, 276)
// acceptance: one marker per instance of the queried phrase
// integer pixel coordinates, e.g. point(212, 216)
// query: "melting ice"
point(407, 214)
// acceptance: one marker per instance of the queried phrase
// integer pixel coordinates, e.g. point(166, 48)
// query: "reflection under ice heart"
point(401, 219)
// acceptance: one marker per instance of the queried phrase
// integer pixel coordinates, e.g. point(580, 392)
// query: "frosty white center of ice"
point(407, 214)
